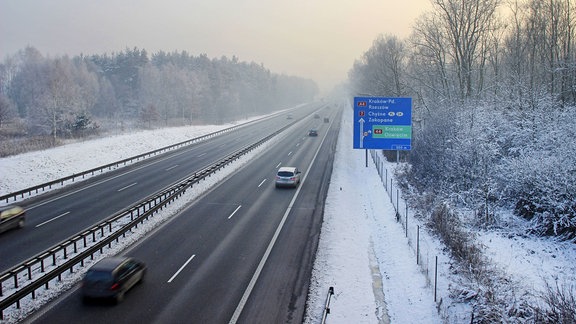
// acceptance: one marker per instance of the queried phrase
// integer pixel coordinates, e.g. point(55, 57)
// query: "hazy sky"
point(317, 39)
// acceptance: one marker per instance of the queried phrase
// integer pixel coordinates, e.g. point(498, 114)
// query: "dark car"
point(11, 217)
point(111, 278)
point(312, 132)
point(316, 116)
point(326, 119)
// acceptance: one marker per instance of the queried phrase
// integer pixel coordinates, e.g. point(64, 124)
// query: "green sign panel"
point(380, 131)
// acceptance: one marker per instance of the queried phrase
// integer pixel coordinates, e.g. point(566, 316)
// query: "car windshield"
point(285, 174)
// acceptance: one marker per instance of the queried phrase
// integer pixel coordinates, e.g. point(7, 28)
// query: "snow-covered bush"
point(483, 157)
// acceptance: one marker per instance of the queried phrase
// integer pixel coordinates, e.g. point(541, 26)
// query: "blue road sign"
point(382, 123)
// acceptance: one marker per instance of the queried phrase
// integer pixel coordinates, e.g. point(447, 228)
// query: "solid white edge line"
point(181, 268)
point(252, 282)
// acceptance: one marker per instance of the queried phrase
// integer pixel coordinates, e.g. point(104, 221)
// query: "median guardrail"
point(25, 279)
point(41, 188)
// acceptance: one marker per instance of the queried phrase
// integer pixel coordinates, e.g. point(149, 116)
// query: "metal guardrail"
point(29, 192)
point(42, 269)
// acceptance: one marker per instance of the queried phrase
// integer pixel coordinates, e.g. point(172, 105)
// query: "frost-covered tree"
point(386, 60)
point(493, 115)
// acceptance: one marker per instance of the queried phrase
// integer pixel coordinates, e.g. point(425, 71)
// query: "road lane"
point(226, 250)
point(92, 200)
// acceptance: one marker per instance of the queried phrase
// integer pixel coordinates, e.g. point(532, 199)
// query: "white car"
point(287, 177)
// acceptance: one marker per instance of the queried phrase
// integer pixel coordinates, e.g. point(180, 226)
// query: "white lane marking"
point(172, 167)
point(256, 275)
point(105, 180)
point(278, 165)
point(53, 219)
point(201, 155)
point(181, 268)
point(234, 212)
point(261, 183)
point(290, 153)
point(128, 186)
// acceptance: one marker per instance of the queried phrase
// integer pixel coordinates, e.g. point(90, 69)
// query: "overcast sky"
point(317, 39)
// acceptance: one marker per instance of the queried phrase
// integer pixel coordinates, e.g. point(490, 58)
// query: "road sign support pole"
point(366, 157)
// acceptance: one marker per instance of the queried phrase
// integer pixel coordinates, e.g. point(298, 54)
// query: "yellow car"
point(11, 217)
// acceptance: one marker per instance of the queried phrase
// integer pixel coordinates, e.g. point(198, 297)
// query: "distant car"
point(326, 119)
point(111, 278)
point(287, 177)
point(312, 132)
point(11, 217)
point(316, 116)
point(289, 116)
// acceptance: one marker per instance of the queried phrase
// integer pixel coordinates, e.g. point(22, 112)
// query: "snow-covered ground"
point(364, 253)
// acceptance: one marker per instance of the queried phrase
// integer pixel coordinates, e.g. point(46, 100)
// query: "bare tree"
point(385, 64)
point(466, 25)
point(6, 110)
point(430, 66)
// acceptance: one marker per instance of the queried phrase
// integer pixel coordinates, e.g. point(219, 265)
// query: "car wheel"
point(119, 297)
point(142, 275)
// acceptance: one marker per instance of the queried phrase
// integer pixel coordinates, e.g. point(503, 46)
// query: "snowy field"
point(363, 252)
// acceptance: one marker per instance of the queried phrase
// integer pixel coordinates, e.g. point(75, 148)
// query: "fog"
point(312, 39)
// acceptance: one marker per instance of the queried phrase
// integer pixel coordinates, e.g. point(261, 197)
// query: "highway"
point(244, 251)
point(58, 215)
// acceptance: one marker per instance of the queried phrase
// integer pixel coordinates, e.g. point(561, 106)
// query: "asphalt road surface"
point(58, 215)
point(242, 253)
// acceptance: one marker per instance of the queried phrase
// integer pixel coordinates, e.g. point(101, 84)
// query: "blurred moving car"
point(312, 132)
point(287, 177)
point(111, 278)
point(11, 217)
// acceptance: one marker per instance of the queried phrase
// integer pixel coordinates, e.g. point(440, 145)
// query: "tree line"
point(494, 113)
point(494, 88)
point(72, 96)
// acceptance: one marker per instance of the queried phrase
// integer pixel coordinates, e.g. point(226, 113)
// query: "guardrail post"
point(435, 278)
point(406, 220)
point(327, 305)
point(418, 244)
point(386, 182)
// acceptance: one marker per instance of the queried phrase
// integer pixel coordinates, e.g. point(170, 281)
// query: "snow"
point(364, 253)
